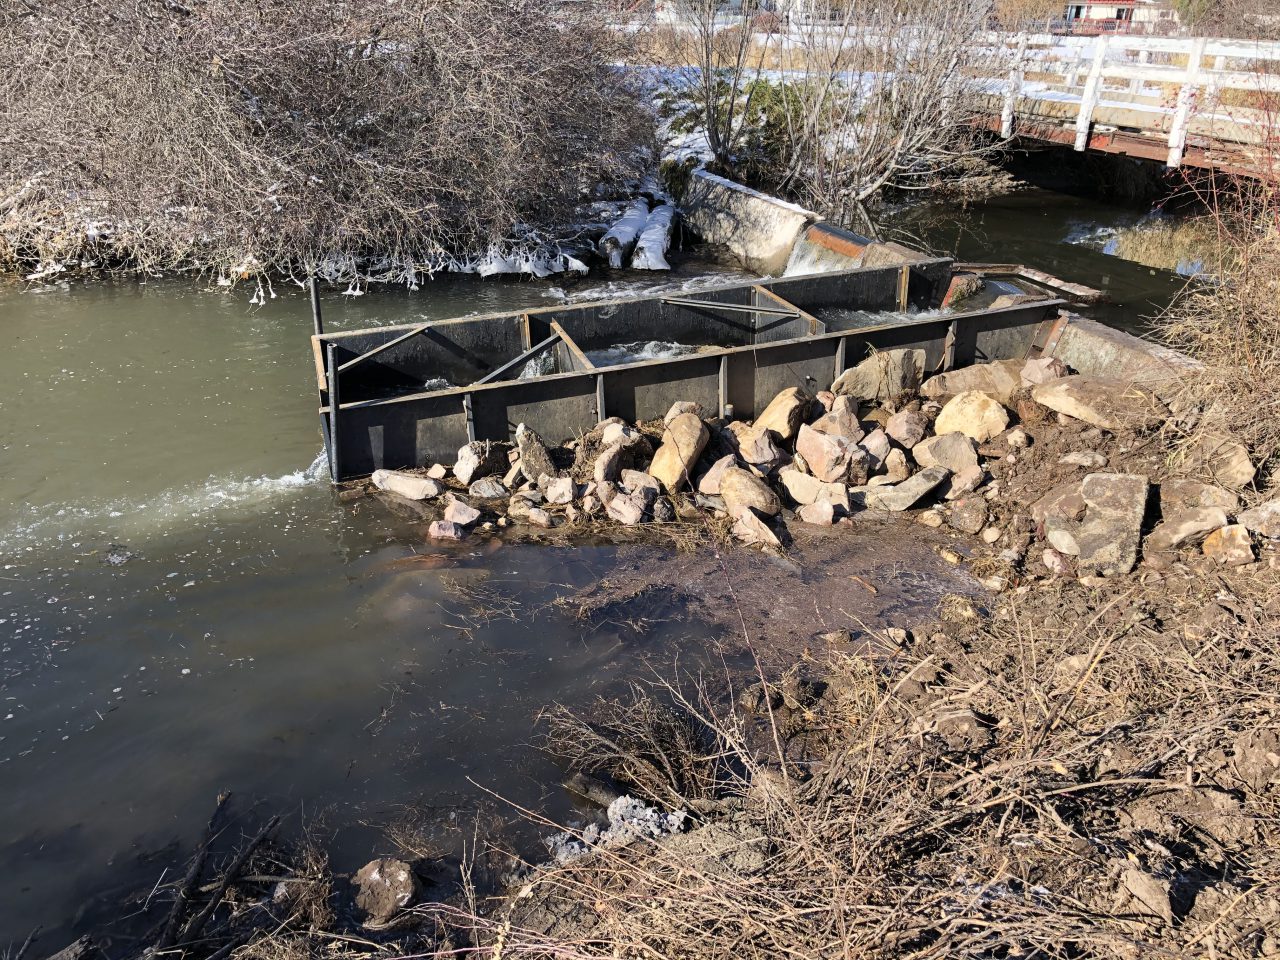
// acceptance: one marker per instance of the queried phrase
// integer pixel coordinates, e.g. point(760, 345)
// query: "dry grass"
point(1233, 327)
point(1068, 779)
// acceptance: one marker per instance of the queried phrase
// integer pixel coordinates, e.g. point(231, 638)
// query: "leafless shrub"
point(659, 752)
point(238, 136)
point(875, 94)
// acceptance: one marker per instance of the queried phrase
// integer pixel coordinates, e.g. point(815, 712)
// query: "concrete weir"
point(409, 396)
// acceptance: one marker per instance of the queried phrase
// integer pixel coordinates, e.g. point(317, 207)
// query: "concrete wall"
point(758, 229)
point(1100, 351)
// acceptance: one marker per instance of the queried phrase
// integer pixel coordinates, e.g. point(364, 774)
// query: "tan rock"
point(955, 451)
point(784, 413)
point(463, 514)
point(820, 514)
point(741, 489)
point(1224, 459)
point(1185, 526)
point(907, 427)
point(1109, 404)
point(1000, 379)
point(1190, 494)
point(682, 407)
point(801, 487)
point(827, 455)
point(709, 483)
point(882, 376)
point(974, 414)
point(1229, 545)
point(749, 528)
point(682, 443)
point(1042, 370)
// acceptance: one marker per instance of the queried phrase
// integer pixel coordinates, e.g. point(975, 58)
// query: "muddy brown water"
point(185, 607)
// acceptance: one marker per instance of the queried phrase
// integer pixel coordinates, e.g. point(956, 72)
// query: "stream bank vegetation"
point(840, 106)
point(240, 138)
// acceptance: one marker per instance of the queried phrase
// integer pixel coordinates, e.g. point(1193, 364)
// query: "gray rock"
point(1112, 525)
point(446, 530)
point(1224, 459)
point(561, 490)
point(407, 485)
point(1065, 501)
point(876, 444)
point(1185, 526)
point(969, 516)
point(663, 511)
point(1084, 458)
point(681, 407)
point(481, 458)
point(535, 460)
point(954, 451)
point(905, 495)
point(882, 376)
point(1189, 494)
point(1263, 519)
point(487, 488)
point(540, 518)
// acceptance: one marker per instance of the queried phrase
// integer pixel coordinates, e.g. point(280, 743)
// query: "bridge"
point(1198, 102)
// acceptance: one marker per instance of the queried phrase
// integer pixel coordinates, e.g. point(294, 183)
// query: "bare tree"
point(382, 136)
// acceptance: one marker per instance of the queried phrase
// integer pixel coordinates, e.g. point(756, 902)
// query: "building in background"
point(1122, 16)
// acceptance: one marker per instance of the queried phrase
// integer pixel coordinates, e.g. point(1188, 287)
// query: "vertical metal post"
point(600, 414)
point(335, 438)
point(316, 325)
point(949, 348)
point(840, 348)
point(904, 286)
point(471, 417)
point(722, 386)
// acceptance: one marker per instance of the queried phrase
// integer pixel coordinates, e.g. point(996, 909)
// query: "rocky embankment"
point(1010, 452)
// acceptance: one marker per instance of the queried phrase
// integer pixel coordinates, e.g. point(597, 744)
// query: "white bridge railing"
point(1226, 83)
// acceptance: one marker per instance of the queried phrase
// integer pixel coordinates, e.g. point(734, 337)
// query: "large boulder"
point(1109, 404)
point(800, 487)
point(882, 376)
point(826, 454)
point(741, 489)
point(480, 458)
point(682, 443)
point(535, 460)
point(1263, 519)
point(907, 494)
point(974, 414)
point(955, 451)
point(407, 485)
point(1115, 504)
point(1000, 379)
point(784, 413)
point(383, 888)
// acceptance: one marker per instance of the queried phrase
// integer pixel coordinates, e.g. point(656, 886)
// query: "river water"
point(185, 607)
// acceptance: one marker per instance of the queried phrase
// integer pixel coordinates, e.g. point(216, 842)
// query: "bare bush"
point(249, 135)
point(833, 102)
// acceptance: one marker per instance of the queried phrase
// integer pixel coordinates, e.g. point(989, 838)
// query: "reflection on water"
point(185, 607)
point(1041, 229)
